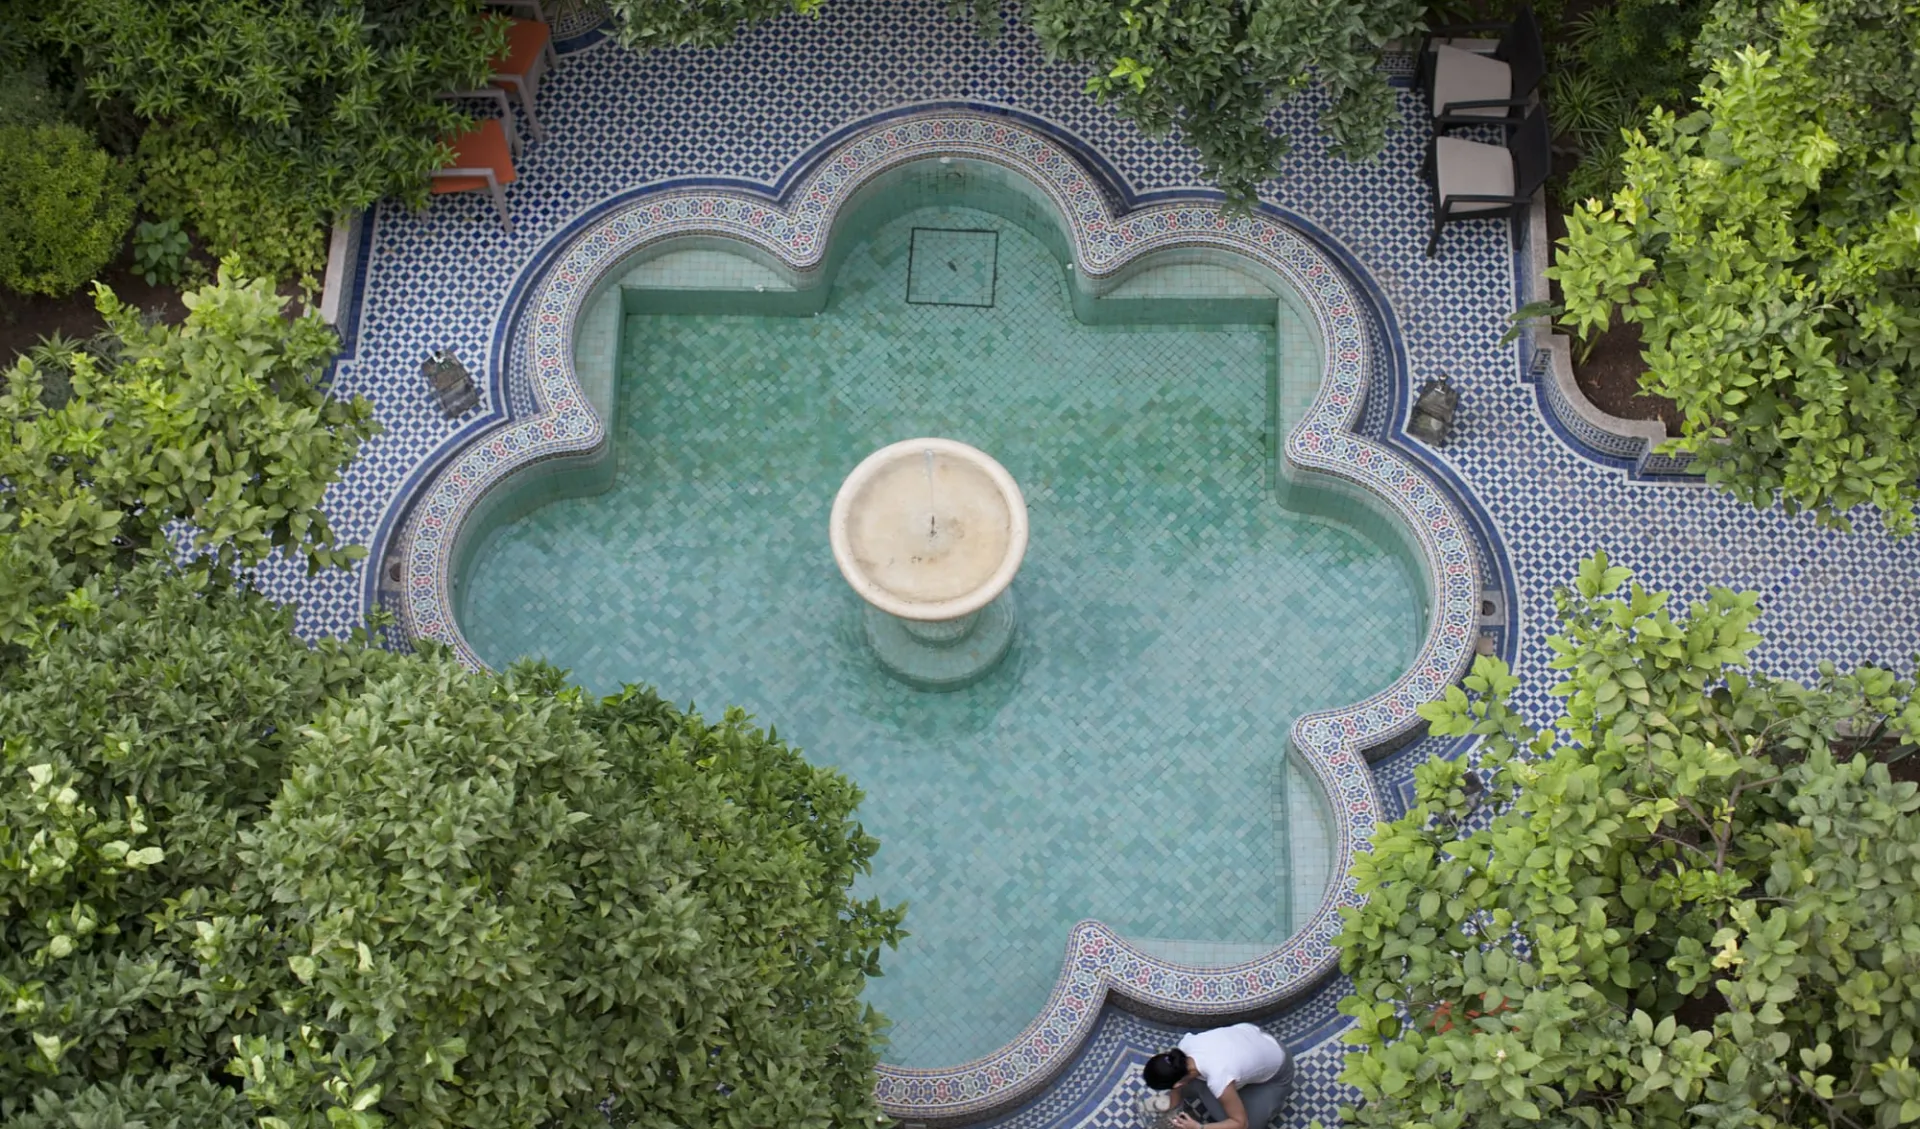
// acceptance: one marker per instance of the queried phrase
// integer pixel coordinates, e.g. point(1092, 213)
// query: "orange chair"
point(482, 158)
point(529, 54)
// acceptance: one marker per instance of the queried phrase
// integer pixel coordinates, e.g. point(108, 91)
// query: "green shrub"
point(236, 209)
point(1616, 64)
point(1692, 903)
point(695, 23)
point(351, 889)
point(221, 424)
point(1217, 69)
point(64, 209)
point(143, 737)
point(160, 251)
point(1645, 48)
point(1764, 243)
point(611, 899)
point(24, 97)
point(279, 117)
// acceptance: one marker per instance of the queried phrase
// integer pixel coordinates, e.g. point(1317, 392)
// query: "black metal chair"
point(1467, 88)
point(1476, 181)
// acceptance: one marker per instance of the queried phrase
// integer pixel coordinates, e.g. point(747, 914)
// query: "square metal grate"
point(952, 266)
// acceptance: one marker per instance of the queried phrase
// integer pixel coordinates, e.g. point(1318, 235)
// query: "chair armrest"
point(1451, 30)
point(493, 180)
point(1446, 205)
point(492, 93)
point(1486, 104)
point(1447, 116)
point(498, 97)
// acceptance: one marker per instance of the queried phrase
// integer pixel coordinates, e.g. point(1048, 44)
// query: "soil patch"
point(25, 320)
point(1609, 377)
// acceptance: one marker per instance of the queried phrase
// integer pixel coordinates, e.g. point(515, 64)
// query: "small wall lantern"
point(1433, 412)
point(450, 381)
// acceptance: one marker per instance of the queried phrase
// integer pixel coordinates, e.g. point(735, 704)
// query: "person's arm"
point(1236, 1109)
point(1228, 1103)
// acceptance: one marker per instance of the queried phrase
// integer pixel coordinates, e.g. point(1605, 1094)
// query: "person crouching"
point(1246, 1076)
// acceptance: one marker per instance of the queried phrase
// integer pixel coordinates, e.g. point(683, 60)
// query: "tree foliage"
point(1693, 902)
point(523, 901)
point(1609, 67)
point(142, 738)
point(191, 181)
point(1217, 69)
point(312, 106)
point(244, 881)
point(221, 423)
point(64, 208)
point(695, 23)
point(1765, 245)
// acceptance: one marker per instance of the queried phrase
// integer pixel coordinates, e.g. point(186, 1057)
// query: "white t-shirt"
point(1242, 1053)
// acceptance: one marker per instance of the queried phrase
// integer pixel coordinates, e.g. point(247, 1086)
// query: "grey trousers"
point(1264, 1100)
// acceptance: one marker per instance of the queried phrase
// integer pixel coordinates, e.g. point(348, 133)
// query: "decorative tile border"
point(1334, 742)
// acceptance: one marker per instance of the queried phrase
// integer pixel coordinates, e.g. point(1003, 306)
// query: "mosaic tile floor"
point(748, 113)
point(1127, 761)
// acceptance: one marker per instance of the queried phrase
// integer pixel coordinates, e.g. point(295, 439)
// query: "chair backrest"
point(1532, 149)
point(1520, 49)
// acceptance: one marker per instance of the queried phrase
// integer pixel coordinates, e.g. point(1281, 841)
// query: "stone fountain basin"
point(929, 529)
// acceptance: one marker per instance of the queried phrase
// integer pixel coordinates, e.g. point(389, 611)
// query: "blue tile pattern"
point(748, 115)
point(1101, 1088)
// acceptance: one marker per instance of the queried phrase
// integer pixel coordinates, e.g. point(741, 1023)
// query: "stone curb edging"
point(1334, 743)
point(343, 241)
point(1548, 358)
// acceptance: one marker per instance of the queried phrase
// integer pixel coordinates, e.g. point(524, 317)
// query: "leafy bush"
point(340, 887)
point(1764, 245)
point(24, 96)
point(1593, 112)
point(695, 23)
point(1700, 907)
point(1217, 69)
point(571, 896)
point(293, 112)
point(1611, 66)
point(220, 422)
point(142, 738)
point(64, 208)
point(238, 214)
point(1645, 47)
point(159, 251)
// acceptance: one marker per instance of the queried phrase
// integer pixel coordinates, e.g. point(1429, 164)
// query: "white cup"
point(1158, 1104)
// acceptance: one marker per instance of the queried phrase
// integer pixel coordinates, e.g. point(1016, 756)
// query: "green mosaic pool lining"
point(1127, 762)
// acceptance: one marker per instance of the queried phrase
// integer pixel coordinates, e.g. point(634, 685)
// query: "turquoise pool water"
point(1128, 761)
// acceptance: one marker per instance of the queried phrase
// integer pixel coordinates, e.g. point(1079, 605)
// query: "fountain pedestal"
point(930, 532)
